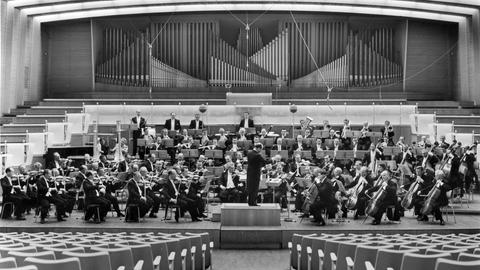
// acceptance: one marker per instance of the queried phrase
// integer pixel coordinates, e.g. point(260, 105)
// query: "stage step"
point(54, 110)
point(132, 101)
point(22, 128)
point(241, 214)
point(250, 237)
point(467, 128)
point(448, 111)
point(459, 119)
point(38, 119)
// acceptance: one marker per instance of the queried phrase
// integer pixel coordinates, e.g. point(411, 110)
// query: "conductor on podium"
point(137, 134)
point(255, 163)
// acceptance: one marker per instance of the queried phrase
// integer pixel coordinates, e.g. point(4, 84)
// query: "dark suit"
point(18, 198)
point(389, 200)
point(149, 165)
point(242, 123)
point(168, 124)
point(193, 124)
point(44, 201)
point(325, 200)
point(92, 197)
point(134, 197)
point(183, 201)
point(232, 194)
point(255, 163)
point(122, 166)
point(390, 135)
point(137, 134)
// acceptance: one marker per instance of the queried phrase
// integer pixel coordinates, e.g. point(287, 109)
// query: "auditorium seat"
point(389, 258)
point(21, 256)
point(143, 252)
point(421, 262)
point(121, 257)
point(5, 250)
point(344, 250)
point(365, 252)
point(28, 267)
point(97, 260)
point(468, 257)
point(8, 262)
point(445, 264)
point(52, 264)
point(59, 251)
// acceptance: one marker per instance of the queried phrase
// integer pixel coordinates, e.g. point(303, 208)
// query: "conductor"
point(255, 163)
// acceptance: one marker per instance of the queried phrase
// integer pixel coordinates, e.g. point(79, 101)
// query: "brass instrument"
point(305, 123)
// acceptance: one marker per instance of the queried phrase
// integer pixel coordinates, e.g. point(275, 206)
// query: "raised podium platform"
point(240, 214)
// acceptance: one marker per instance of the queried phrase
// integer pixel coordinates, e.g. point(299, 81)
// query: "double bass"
point(431, 199)
point(374, 203)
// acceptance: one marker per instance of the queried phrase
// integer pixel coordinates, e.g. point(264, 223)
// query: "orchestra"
point(326, 176)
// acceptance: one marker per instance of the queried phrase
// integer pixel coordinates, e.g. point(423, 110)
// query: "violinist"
point(149, 164)
point(443, 143)
point(423, 142)
point(60, 183)
point(357, 191)
point(338, 185)
point(45, 197)
point(298, 145)
point(242, 134)
point(174, 192)
point(107, 188)
point(103, 163)
point(427, 160)
point(325, 199)
point(230, 185)
point(136, 196)
point(81, 176)
point(401, 142)
point(388, 133)
point(12, 193)
point(294, 168)
point(205, 139)
point(441, 186)
point(424, 180)
point(124, 164)
point(389, 185)
point(364, 141)
point(148, 193)
point(29, 179)
point(56, 163)
point(223, 141)
point(234, 146)
point(194, 192)
point(282, 189)
point(246, 122)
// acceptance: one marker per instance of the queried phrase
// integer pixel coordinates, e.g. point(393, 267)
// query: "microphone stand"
point(288, 218)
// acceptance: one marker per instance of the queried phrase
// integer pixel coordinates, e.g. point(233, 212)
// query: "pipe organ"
point(194, 54)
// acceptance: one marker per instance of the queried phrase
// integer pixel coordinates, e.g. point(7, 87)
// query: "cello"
point(431, 199)
point(351, 203)
point(374, 203)
point(407, 201)
point(310, 196)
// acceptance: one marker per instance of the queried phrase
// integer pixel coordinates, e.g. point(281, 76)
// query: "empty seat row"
point(377, 251)
point(147, 251)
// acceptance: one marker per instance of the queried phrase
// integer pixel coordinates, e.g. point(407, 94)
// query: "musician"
point(121, 151)
point(278, 146)
point(242, 134)
point(346, 142)
point(423, 142)
point(298, 145)
point(205, 139)
point(149, 164)
point(371, 158)
point(328, 142)
point(283, 135)
point(222, 141)
point(450, 159)
point(234, 146)
point(107, 188)
point(230, 185)
point(325, 199)
point(61, 186)
point(295, 171)
point(425, 181)
point(141, 123)
point(364, 141)
point(281, 191)
point(246, 121)
point(135, 196)
point(316, 148)
point(338, 185)
point(149, 194)
point(427, 160)
point(263, 133)
point(401, 142)
point(255, 163)
point(103, 162)
point(441, 183)
point(56, 163)
point(195, 191)
point(12, 193)
point(389, 185)
point(196, 123)
point(81, 176)
point(27, 185)
point(406, 157)
point(326, 125)
point(469, 159)
point(44, 195)
point(337, 145)
point(442, 143)
point(173, 195)
point(388, 133)
point(124, 164)
point(172, 123)
point(357, 188)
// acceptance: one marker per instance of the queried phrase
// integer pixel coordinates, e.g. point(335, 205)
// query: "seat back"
point(8, 262)
point(59, 251)
point(21, 256)
point(413, 261)
point(141, 252)
point(185, 244)
point(444, 264)
point(296, 239)
point(41, 247)
point(97, 260)
point(119, 257)
point(367, 252)
point(205, 240)
point(28, 267)
point(45, 264)
point(389, 258)
point(331, 245)
point(196, 241)
point(159, 248)
point(466, 257)
point(346, 249)
point(4, 250)
point(174, 246)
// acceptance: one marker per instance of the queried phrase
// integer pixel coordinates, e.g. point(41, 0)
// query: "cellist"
point(325, 199)
point(389, 184)
point(357, 189)
point(440, 185)
point(424, 180)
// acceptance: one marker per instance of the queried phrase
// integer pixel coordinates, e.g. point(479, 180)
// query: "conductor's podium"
point(244, 226)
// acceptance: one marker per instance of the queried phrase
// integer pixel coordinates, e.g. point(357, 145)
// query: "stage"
point(258, 237)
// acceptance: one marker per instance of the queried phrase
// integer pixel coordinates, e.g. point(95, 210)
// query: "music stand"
point(373, 134)
point(396, 150)
point(167, 143)
point(320, 154)
point(349, 133)
point(230, 153)
point(308, 141)
point(328, 153)
point(250, 130)
point(247, 145)
point(388, 151)
point(161, 154)
point(194, 132)
point(361, 153)
point(341, 154)
point(329, 143)
point(306, 155)
point(267, 142)
point(287, 142)
point(324, 133)
point(283, 154)
point(357, 134)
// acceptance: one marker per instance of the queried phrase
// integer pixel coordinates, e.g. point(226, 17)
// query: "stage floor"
point(467, 221)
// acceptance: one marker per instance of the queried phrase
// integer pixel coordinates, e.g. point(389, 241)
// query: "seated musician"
point(242, 135)
point(196, 123)
point(440, 182)
point(108, 186)
point(194, 193)
point(87, 160)
point(401, 142)
point(294, 168)
point(443, 143)
point(427, 160)
point(469, 159)
point(149, 164)
point(389, 184)
point(263, 133)
point(279, 173)
point(81, 176)
point(425, 183)
point(174, 192)
point(454, 178)
point(205, 139)
point(364, 141)
point(358, 188)
point(230, 185)
point(103, 162)
point(338, 185)
point(406, 157)
point(387, 133)
point(328, 142)
point(337, 145)
point(184, 137)
point(120, 151)
point(298, 145)
point(45, 195)
point(239, 158)
point(137, 197)
point(246, 121)
point(223, 141)
point(164, 136)
point(234, 146)
point(27, 185)
point(283, 135)
point(56, 163)
point(152, 198)
point(423, 142)
point(346, 141)
point(172, 123)
point(325, 200)
point(124, 164)
point(92, 196)
point(326, 125)
point(61, 186)
point(13, 193)
point(371, 158)
point(278, 146)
